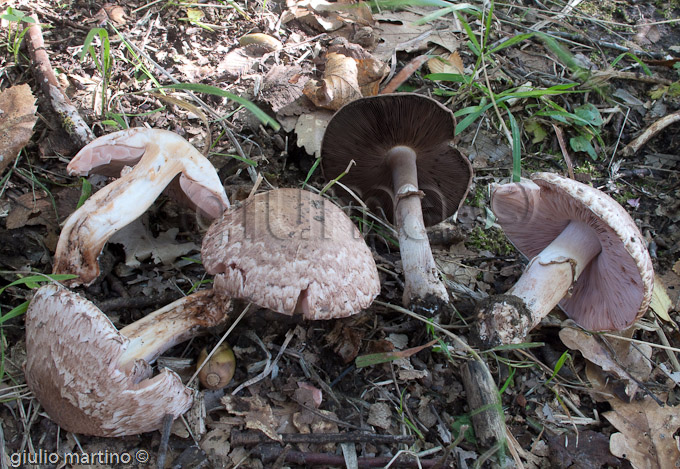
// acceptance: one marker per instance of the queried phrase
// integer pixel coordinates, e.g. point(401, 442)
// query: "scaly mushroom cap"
point(615, 288)
point(366, 129)
point(91, 379)
point(290, 249)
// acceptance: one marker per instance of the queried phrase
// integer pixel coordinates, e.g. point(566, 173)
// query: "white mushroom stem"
point(121, 202)
point(175, 323)
point(546, 281)
point(421, 277)
point(550, 275)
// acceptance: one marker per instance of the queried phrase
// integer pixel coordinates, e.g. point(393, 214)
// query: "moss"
point(492, 240)
point(588, 168)
point(478, 197)
point(623, 197)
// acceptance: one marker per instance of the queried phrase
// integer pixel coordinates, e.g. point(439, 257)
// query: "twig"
point(652, 130)
point(269, 453)
point(70, 119)
point(251, 438)
point(165, 439)
point(404, 74)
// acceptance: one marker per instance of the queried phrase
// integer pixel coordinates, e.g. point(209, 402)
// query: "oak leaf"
point(646, 433)
point(17, 118)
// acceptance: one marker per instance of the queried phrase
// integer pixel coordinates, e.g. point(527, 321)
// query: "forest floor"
point(572, 85)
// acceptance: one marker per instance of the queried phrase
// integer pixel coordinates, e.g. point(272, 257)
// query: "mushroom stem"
point(421, 277)
point(165, 156)
point(550, 275)
point(175, 323)
point(546, 281)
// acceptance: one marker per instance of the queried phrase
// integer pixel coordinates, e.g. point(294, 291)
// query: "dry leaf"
point(646, 437)
point(17, 117)
point(139, 245)
point(370, 70)
point(339, 85)
point(258, 414)
point(310, 129)
point(624, 361)
point(451, 63)
point(264, 40)
point(587, 450)
point(661, 303)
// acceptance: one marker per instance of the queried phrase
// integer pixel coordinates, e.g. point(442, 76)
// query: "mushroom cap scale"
point(615, 288)
point(73, 351)
point(366, 129)
point(289, 250)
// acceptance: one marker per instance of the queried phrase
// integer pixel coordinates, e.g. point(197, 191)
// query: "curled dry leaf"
point(263, 40)
point(339, 85)
point(647, 433)
point(17, 117)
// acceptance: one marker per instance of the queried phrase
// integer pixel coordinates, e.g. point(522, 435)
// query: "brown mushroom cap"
point(615, 288)
point(95, 380)
point(366, 129)
point(289, 250)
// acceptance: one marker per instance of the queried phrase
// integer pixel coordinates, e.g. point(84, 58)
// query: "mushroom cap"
point(109, 154)
point(73, 353)
point(615, 288)
point(366, 129)
point(288, 250)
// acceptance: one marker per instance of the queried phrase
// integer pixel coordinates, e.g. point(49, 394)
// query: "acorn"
point(219, 370)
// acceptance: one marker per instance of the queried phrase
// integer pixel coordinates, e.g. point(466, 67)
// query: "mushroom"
point(159, 156)
point(95, 380)
point(291, 251)
point(587, 255)
point(403, 150)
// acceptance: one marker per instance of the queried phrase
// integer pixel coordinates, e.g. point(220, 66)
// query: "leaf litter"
point(340, 53)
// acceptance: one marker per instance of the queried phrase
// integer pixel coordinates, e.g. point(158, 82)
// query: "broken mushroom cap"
point(366, 130)
point(291, 250)
point(93, 379)
point(160, 157)
point(402, 146)
point(557, 221)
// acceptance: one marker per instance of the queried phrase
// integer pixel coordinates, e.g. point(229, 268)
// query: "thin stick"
point(652, 130)
point(226, 334)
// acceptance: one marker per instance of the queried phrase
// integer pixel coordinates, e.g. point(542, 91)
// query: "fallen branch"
point(69, 117)
point(652, 130)
point(404, 74)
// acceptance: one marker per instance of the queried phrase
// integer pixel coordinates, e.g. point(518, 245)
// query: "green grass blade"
point(516, 149)
point(215, 91)
point(511, 42)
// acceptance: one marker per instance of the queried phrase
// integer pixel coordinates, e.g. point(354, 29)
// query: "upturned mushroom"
point(93, 379)
point(406, 164)
point(158, 156)
point(586, 254)
point(292, 251)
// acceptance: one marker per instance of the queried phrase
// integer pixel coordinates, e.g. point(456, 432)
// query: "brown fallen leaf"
point(258, 414)
point(646, 435)
point(339, 85)
point(370, 70)
point(587, 450)
point(449, 63)
point(661, 303)
point(625, 362)
point(17, 118)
